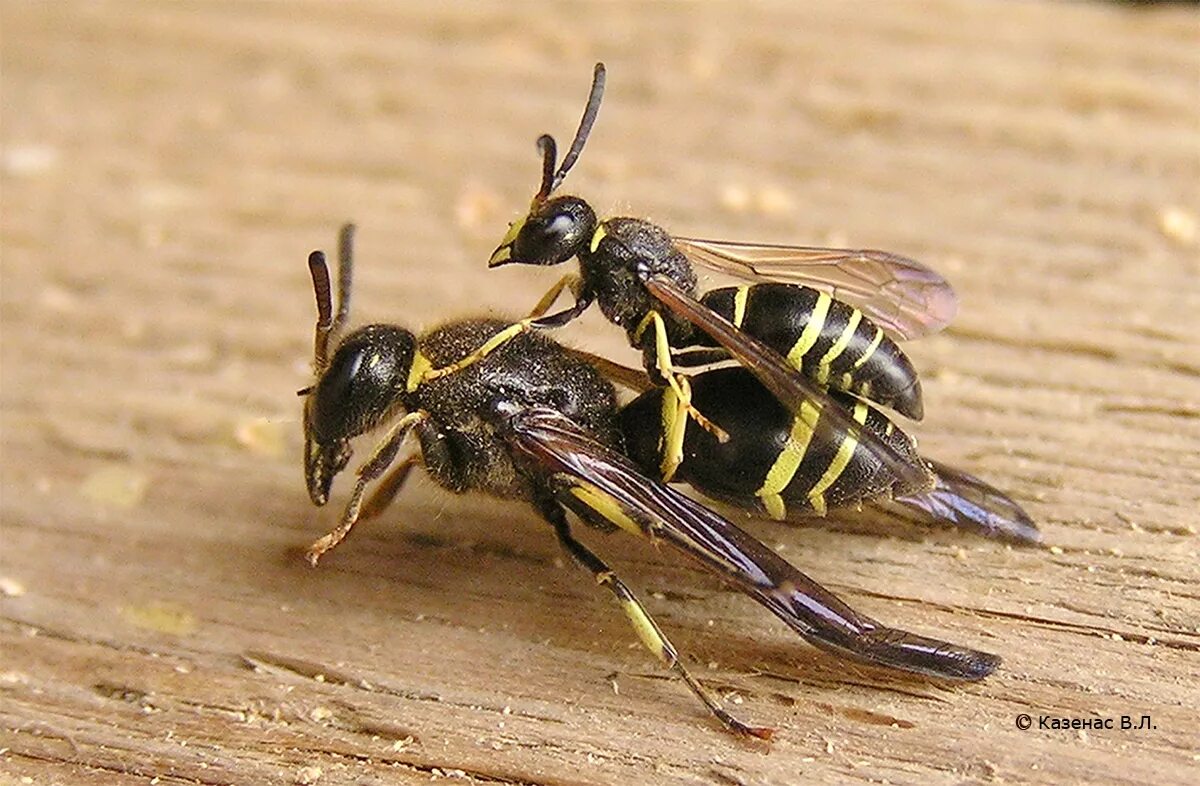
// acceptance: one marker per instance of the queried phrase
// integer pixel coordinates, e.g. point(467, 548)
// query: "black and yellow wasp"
point(774, 464)
point(531, 420)
point(816, 320)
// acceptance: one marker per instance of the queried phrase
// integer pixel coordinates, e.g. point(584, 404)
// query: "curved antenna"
point(585, 127)
point(345, 274)
point(549, 150)
point(319, 271)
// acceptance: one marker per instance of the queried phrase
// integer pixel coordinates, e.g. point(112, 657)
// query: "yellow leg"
point(487, 348)
point(674, 422)
point(647, 629)
point(381, 458)
point(676, 381)
point(569, 281)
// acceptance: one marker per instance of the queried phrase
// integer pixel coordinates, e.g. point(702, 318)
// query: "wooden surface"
point(166, 168)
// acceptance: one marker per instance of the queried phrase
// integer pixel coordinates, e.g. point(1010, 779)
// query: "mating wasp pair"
point(791, 427)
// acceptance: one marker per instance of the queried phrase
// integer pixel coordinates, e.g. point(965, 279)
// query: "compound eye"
point(334, 391)
point(547, 240)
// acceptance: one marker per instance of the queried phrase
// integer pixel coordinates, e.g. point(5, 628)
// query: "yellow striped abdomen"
point(830, 342)
point(774, 459)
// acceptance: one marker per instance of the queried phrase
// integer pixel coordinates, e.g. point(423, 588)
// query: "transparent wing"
point(553, 447)
point(902, 296)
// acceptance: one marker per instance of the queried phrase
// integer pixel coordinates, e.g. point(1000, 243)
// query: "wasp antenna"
point(345, 273)
point(585, 127)
point(319, 271)
point(549, 150)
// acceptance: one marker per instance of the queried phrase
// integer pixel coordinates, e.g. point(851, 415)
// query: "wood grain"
point(167, 167)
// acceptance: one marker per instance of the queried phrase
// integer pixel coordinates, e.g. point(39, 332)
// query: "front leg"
point(583, 298)
point(494, 343)
point(381, 458)
point(436, 456)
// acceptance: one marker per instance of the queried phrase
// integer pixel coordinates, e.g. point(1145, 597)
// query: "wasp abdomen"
point(773, 459)
point(831, 342)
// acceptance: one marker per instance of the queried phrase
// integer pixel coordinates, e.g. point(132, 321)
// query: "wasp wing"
point(902, 296)
point(794, 390)
point(966, 502)
point(596, 481)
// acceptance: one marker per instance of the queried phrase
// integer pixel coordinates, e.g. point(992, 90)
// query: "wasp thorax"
point(554, 232)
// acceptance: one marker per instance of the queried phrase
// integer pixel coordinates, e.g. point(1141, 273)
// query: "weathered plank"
point(166, 169)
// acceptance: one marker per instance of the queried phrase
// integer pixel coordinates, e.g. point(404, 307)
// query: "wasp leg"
point(382, 458)
point(647, 629)
point(569, 281)
point(485, 349)
point(634, 379)
point(690, 358)
point(674, 420)
point(583, 299)
point(535, 321)
point(663, 364)
point(532, 322)
point(388, 488)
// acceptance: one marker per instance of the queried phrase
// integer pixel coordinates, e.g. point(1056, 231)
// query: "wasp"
point(775, 464)
point(814, 320)
point(531, 420)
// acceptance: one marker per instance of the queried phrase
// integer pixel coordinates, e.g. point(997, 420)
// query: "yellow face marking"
point(788, 460)
point(866, 355)
point(503, 252)
point(416, 372)
point(501, 255)
point(811, 332)
point(740, 297)
point(606, 507)
point(838, 347)
point(597, 236)
point(816, 495)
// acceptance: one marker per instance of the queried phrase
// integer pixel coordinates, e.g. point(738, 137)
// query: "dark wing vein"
point(554, 447)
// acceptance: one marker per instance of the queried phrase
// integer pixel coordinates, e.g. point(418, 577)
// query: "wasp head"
point(360, 387)
point(554, 231)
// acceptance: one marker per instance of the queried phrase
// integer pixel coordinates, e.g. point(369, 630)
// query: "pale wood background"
point(167, 167)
